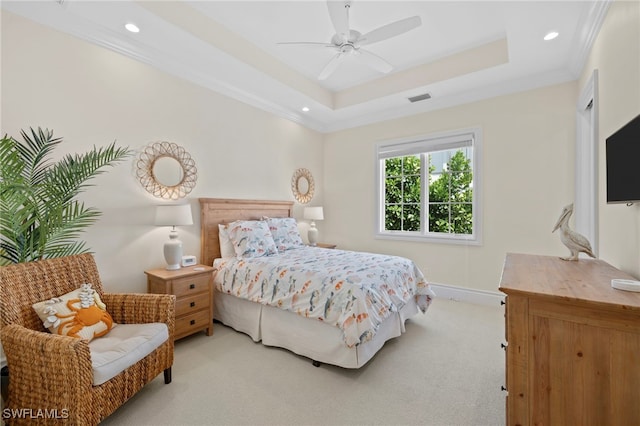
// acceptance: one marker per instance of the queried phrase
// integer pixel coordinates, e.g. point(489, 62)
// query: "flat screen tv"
point(623, 164)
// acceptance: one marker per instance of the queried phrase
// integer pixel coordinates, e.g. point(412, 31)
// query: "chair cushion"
point(124, 346)
point(79, 313)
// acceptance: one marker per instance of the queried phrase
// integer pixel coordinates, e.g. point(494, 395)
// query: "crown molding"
point(273, 95)
point(501, 88)
point(593, 22)
point(161, 60)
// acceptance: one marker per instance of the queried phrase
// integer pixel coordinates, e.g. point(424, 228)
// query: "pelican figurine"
point(574, 241)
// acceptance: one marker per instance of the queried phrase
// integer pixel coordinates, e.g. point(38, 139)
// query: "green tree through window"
point(451, 196)
point(450, 192)
point(402, 193)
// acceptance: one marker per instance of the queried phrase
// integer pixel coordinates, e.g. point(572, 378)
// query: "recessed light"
point(305, 109)
point(551, 35)
point(132, 28)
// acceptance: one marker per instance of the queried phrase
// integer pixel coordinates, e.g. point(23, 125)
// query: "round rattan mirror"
point(302, 185)
point(166, 170)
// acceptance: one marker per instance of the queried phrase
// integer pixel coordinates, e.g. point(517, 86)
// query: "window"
point(429, 188)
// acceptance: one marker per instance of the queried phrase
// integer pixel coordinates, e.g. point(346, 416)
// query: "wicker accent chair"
point(53, 372)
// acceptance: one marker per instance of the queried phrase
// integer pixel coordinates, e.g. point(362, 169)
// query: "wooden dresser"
point(573, 343)
point(193, 288)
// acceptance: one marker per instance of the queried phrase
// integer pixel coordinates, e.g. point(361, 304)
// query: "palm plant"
point(39, 215)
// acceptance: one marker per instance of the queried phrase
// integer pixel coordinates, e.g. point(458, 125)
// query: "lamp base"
point(312, 234)
point(173, 251)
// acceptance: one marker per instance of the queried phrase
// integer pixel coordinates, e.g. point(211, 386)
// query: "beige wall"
point(528, 177)
point(616, 57)
point(89, 95)
point(528, 166)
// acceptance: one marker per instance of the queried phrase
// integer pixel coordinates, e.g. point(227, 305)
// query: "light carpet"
point(447, 369)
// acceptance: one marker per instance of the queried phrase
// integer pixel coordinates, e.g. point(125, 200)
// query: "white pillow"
point(226, 246)
point(251, 238)
point(285, 232)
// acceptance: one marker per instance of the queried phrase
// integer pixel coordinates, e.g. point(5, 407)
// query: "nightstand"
point(327, 246)
point(193, 288)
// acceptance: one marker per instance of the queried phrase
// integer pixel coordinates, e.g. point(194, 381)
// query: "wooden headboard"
point(214, 211)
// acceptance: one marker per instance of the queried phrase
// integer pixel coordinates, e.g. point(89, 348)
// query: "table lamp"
point(313, 214)
point(173, 215)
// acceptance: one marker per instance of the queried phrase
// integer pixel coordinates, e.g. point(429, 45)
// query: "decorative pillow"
point(226, 245)
point(251, 238)
point(285, 232)
point(79, 313)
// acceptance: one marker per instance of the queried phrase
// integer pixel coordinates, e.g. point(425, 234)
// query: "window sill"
point(467, 240)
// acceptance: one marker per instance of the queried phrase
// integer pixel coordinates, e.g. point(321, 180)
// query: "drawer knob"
point(192, 286)
point(192, 322)
point(192, 304)
point(502, 302)
point(503, 388)
point(503, 346)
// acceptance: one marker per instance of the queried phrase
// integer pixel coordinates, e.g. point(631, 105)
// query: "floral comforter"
point(354, 291)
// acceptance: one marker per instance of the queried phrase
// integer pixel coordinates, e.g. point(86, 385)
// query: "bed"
point(313, 301)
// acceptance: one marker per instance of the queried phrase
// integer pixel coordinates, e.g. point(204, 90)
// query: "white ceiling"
point(463, 51)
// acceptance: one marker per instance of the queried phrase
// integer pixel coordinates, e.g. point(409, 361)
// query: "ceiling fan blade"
point(308, 43)
point(331, 66)
point(390, 30)
point(374, 61)
point(339, 14)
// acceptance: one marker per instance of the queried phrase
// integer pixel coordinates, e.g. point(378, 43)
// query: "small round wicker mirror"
point(302, 185)
point(166, 170)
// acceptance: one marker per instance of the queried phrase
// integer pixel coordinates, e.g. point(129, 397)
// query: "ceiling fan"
point(348, 42)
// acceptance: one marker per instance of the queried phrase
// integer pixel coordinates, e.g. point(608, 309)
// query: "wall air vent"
point(419, 98)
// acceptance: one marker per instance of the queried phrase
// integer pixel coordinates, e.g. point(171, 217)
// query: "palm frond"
point(39, 217)
point(65, 229)
point(70, 175)
point(12, 164)
point(17, 220)
point(35, 151)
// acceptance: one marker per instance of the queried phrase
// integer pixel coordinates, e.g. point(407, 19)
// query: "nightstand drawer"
point(191, 285)
point(190, 323)
point(189, 304)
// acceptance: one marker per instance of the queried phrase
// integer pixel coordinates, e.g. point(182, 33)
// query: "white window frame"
point(419, 145)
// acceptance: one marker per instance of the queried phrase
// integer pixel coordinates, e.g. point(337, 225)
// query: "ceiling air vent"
point(419, 98)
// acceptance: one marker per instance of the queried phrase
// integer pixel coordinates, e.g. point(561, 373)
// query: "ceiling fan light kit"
point(349, 42)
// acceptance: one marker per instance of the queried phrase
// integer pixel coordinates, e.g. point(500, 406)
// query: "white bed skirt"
point(304, 336)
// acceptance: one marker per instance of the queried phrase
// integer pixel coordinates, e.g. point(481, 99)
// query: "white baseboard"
point(462, 294)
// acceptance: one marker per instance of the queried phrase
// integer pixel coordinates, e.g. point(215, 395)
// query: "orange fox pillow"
point(79, 313)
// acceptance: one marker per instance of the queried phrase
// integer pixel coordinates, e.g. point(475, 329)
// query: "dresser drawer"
point(191, 285)
point(191, 323)
point(188, 304)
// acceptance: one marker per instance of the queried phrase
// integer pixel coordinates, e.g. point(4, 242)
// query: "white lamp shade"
point(313, 213)
point(174, 215)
